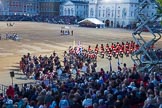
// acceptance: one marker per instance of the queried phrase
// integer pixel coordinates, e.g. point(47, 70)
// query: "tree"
point(160, 2)
point(160, 10)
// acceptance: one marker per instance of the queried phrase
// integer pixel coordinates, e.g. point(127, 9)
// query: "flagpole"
point(122, 61)
point(118, 62)
point(110, 65)
point(74, 42)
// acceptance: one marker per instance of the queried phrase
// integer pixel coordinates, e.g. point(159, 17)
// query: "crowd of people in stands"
point(54, 19)
point(83, 86)
point(57, 19)
point(125, 88)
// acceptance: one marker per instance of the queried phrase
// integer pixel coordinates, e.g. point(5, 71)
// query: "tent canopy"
point(65, 27)
point(91, 22)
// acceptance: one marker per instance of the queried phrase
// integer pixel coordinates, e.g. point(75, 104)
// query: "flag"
point(79, 50)
point(110, 66)
point(73, 44)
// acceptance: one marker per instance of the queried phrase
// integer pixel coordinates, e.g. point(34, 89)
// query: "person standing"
point(10, 92)
point(71, 32)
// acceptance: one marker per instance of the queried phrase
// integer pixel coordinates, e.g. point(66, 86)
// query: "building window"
point(99, 13)
point(112, 13)
point(77, 13)
point(124, 13)
point(65, 11)
point(91, 12)
point(131, 13)
point(103, 13)
point(118, 13)
point(72, 11)
point(107, 12)
point(68, 11)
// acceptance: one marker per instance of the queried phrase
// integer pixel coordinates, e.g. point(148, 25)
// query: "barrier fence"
point(3, 87)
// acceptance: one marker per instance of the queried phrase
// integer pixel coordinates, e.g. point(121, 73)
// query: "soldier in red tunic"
point(102, 51)
point(127, 49)
point(96, 49)
point(89, 48)
point(107, 48)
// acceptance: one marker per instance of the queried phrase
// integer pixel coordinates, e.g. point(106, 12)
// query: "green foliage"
point(160, 2)
point(160, 10)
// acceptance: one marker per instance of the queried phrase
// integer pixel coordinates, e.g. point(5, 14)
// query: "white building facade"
point(74, 8)
point(114, 13)
point(31, 7)
point(4, 7)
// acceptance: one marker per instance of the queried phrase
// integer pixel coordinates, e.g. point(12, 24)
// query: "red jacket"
point(10, 92)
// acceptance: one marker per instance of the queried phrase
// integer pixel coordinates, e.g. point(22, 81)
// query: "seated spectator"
point(64, 102)
point(9, 102)
point(118, 103)
point(87, 102)
point(101, 104)
point(150, 102)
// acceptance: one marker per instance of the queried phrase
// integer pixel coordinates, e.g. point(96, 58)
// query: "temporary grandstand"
point(54, 20)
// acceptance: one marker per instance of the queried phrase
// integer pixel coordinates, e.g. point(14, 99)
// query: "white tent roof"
point(93, 20)
point(65, 27)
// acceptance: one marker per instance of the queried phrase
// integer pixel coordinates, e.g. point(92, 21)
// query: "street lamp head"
point(12, 74)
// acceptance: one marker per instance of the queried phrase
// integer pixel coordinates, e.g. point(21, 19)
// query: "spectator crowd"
point(54, 19)
point(75, 83)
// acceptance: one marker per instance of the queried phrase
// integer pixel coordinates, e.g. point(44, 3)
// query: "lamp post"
point(12, 74)
point(110, 65)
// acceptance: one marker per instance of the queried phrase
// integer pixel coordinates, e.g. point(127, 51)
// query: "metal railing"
point(3, 88)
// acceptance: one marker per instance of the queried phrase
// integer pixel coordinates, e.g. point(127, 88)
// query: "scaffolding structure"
point(146, 57)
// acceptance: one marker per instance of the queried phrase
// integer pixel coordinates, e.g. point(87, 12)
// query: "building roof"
point(79, 2)
point(73, 2)
point(92, 20)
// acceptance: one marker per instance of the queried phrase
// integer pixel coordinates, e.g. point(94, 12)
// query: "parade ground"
point(44, 38)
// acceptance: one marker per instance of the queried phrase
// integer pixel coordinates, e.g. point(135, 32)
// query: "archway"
point(107, 23)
